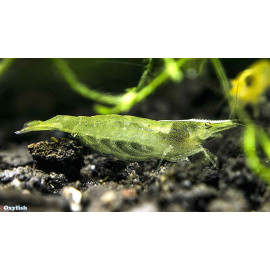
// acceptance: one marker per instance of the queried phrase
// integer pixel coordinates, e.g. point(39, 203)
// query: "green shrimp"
point(137, 139)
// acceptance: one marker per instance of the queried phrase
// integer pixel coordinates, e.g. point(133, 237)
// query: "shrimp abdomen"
point(127, 137)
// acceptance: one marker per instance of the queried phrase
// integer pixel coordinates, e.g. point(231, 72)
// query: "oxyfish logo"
point(13, 208)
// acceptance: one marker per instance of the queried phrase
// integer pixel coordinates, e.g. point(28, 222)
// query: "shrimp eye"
point(207, 125)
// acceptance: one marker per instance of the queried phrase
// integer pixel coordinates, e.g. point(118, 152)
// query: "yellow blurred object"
point(250, 84)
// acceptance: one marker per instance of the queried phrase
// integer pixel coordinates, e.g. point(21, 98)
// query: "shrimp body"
point(134, 138)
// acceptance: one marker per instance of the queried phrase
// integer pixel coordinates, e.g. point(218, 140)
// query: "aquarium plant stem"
point(5, 64)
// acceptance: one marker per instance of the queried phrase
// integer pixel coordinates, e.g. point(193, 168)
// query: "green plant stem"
point(222, 78)
point(145, 74)
point(5, 64)
point(253, 160)
point(172, 69)
point(155, 83)
point(131, 98)
point(264, 141)
point(82, 89)
point(124, 102)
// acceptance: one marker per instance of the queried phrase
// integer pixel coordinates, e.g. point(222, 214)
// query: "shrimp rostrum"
point(137, 139)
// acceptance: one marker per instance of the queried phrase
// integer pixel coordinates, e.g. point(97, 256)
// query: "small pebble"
point(231, 201)
point(108, 198)
point(128, 193)
point(74, 197)
point(145, 207)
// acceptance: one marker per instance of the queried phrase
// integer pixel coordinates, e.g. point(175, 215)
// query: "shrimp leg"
point(210, 156)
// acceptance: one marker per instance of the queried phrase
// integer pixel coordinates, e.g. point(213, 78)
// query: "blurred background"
point(34, 89)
